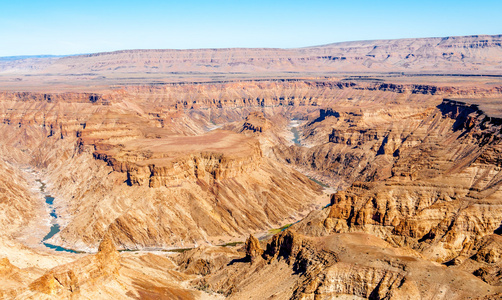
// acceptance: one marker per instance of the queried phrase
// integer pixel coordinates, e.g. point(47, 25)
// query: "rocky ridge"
point(466, 54)
point(339, 265)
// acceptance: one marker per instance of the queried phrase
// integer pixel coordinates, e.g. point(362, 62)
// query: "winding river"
point(293, 125)
point(49, 201)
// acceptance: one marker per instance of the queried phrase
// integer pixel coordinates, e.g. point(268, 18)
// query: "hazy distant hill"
point(451, 55)
point(21, 57)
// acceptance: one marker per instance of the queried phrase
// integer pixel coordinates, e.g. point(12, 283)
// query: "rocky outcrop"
point(256, 122)
point(12, 278)
point(295, 266)
point(489, 250)
point(66, 280)
point(253, 248)
point(203, 158)
point(297, 249)
point(206, 260)
point(109, 275)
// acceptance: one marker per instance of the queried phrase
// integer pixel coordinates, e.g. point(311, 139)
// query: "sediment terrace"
point(213, 156)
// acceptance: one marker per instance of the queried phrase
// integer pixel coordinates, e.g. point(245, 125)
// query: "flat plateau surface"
point(458, 56)
point(491, 106)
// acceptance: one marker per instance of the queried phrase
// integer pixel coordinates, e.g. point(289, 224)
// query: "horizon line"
point(28, 56)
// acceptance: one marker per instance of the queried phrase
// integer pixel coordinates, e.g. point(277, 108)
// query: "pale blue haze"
point(71, 27)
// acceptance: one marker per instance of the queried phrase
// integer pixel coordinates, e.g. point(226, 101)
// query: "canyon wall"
point(178, 166)
point(434, 186)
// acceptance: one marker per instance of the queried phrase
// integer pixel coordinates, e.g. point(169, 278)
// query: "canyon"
point(358, 170)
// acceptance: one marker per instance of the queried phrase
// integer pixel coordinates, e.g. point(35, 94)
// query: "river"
point(294, 124)
point(49, 201)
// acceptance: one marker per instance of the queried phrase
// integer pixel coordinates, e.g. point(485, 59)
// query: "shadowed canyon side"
point(440, 192)
point(254, 186)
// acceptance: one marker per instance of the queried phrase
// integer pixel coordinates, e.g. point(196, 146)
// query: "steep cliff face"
point(67, 279)
point(256, 122)
point(180, 213)
point(18, 204)
point(440, 190)
point(149, 176)
point(214, 156)
point(295, 266)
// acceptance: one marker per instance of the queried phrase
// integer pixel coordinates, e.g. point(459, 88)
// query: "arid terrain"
point(358, 170)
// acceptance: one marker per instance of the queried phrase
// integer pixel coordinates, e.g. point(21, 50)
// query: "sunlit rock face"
point(440, 192)
point(211, 166)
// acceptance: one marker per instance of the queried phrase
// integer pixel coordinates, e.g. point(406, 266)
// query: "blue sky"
point(73, 27)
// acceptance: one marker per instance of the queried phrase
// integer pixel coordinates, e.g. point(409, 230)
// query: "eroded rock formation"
point(435, 188)
point(149, 168)
point(295, 266)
